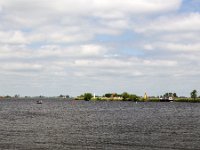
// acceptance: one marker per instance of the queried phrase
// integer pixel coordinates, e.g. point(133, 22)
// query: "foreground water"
point(62, 124)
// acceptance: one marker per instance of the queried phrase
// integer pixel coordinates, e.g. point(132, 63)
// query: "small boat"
point(39, 102)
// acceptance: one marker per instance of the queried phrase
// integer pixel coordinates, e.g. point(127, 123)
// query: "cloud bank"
point(69, 47)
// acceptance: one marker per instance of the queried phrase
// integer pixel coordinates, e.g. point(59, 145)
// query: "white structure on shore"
point(94, 96)
point(145, 96)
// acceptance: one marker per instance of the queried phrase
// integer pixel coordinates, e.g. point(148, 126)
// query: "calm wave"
point(62, 124)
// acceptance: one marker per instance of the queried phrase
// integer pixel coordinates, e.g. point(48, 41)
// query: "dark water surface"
point(62, 124)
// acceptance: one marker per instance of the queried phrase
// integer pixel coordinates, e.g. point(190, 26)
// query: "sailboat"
point(39, 101)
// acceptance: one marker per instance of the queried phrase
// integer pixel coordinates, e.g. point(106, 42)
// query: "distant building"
point(64, 96)
point(166, 98)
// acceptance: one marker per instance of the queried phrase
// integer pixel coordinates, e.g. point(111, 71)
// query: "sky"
point(70, 47)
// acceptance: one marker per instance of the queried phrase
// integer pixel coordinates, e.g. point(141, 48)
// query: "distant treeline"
point(125, 96)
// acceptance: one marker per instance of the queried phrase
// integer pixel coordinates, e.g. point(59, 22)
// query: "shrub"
point(133, 97)
point(125, 96)
point(87, 96)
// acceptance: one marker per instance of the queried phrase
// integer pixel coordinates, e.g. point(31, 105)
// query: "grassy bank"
point(197, 100)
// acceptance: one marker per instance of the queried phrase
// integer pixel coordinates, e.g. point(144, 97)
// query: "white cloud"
point(21, 67)
point(56, 51)
point(160, 63)
point(189, 37)
point(89, 50)
point(12, 37)
point(38, 14)
point(82, 7)
point(10, 51)
point(102, 63)
point(116, 23)
point(176, 47)
point(179, 23)
point(66, 21)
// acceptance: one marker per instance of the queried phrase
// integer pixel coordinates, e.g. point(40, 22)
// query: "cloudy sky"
point(50, 47)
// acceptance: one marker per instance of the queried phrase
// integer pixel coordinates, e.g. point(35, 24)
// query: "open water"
point(81, 125)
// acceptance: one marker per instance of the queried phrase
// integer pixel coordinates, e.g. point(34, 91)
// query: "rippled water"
point(62, 124)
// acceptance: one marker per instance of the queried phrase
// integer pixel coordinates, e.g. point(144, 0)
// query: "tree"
point(194, 94)
point(166, 95)
point(175, 95)
point(108, 95)
point(133, 97)
point(61, 96)
point(170, 94)
point(87, 96)
point(125, 96)
point(17, 96)
point(7, 96)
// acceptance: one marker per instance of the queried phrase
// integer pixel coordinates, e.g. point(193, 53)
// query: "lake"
point(79, 125)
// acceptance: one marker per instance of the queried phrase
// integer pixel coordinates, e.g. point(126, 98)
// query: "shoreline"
point(197, 100)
